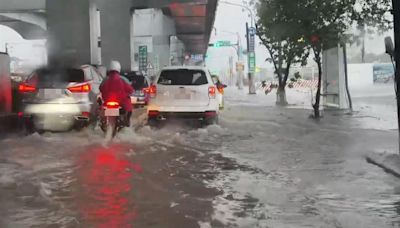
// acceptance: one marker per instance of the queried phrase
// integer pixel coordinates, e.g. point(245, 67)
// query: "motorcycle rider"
point(116, 88)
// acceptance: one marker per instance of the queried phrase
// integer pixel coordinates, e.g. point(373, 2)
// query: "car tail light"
point(209, 114)
point(86, 114)
point(112, 104)
point(221, 90)
point(146, 90)
point(80, 88)
point(153, 91)
point(211, 91)
point(25, 88)
point(153, 113)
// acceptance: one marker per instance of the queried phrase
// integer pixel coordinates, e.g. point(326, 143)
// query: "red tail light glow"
point(86, 114)
point(153, 91)
point(80, 89)
point(209, 114)
point(221, 89)
point(112, 104)
point(146, 90)
point(153, 113)
point(25, 88)
point(211, 92)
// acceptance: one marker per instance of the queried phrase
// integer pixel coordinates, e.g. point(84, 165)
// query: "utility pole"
point(230, 70)
point(251, 56)
point(396, 15)
point(250, 36)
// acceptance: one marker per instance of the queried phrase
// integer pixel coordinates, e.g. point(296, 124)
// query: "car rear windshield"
point(139, 82)
point(67, 75)
point(182, 77)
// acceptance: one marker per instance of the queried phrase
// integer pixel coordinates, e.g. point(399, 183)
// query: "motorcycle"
point(113, 118)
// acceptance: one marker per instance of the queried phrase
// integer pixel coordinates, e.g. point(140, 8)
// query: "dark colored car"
point(141, 85)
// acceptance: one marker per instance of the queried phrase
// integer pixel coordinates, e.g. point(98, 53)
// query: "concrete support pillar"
point(116, 22)
point(72, 33)
point(157, 39)
point(177, 51)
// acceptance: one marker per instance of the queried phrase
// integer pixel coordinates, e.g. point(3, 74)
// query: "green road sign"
point(143, 58)
point(252, 62)
point(222, 43)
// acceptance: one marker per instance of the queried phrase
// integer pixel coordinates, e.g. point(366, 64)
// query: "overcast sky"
point(231, 19)
point(7, 35)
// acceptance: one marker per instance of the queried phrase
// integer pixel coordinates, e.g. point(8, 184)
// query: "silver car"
point(60, 99)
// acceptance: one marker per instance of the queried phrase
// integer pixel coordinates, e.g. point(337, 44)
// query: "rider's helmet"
point(115, 66)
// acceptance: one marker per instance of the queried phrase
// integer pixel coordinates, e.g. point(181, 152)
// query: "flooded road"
point(263, 167)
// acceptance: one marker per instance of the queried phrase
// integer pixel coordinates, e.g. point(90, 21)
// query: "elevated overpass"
point(96, 31)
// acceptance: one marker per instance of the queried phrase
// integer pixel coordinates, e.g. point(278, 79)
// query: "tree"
point(325, 22)
point(290, 28)
point(277, 30)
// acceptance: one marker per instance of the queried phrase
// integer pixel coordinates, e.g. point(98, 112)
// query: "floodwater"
point(262, 167)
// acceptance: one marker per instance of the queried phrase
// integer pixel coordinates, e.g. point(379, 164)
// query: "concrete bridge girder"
point(81, 39)
point(16, 6)
point(32, 18)
point(30, 26)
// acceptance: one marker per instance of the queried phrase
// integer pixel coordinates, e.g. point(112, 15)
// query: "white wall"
point(360, 75)
point(153, 29)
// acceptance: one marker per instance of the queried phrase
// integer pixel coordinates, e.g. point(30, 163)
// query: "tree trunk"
point(317, 114)
point(281, 95)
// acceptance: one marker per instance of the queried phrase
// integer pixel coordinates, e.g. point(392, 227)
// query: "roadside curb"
point(390, 163)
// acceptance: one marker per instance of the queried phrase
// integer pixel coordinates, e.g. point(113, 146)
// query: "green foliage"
point(279, 32)
point(290, 28)
point(373, 14)
point(325, 23)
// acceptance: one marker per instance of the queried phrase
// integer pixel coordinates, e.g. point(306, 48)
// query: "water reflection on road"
point(105, 185)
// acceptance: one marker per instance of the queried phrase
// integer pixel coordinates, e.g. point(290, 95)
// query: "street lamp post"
point(250, 36)
point(243, 7)
point(239, 51)
point(238, 47)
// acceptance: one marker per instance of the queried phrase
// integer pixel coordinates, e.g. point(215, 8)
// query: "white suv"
point(183, 92)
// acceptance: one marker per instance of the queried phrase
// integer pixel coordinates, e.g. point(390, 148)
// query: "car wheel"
point(27, 126)
point(79, 126)
point(211, 121)
point(154, 122)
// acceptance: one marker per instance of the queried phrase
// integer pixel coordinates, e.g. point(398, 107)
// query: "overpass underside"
point(97, 31)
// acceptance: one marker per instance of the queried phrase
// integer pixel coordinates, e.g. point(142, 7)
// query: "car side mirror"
point(389, 46)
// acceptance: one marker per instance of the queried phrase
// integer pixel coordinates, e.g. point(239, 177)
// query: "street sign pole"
point(251, 57)
point(396, 15)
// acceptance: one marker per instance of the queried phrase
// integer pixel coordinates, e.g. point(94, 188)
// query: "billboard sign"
point(383, 73)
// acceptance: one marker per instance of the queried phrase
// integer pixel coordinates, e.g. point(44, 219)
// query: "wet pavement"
point(262, 167)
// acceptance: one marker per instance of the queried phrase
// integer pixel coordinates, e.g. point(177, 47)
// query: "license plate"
point(133, 100)
point(183, 96)
point(111, 112)
point(51, 93)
